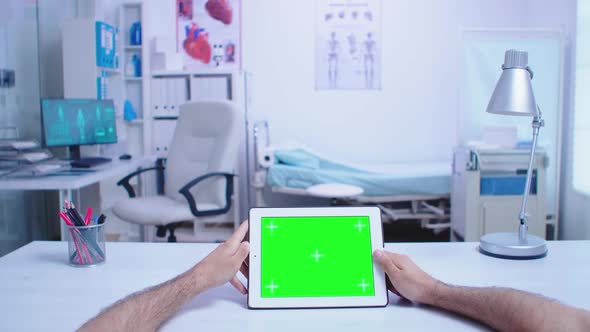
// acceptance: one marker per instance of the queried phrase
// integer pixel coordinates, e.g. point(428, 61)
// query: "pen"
point(75, 216)
point(65, 218)
point(77, 213)
point(88, 216)
point(72, 217)
point(101, 219)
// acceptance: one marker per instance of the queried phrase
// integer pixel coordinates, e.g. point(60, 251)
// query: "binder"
point(210, 87)
point(164, 96)
point(218, 88)
point(180, 92)
point(155, 88)
point(163, 132)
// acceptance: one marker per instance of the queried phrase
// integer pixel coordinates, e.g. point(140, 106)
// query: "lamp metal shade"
point(513, 94)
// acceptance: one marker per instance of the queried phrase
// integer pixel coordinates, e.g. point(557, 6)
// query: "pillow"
point(300, 158)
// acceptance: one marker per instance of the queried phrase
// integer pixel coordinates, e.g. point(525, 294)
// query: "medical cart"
point(486, 192)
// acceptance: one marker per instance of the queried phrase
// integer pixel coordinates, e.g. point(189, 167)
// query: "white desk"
point(40, 292)
point(66, 183)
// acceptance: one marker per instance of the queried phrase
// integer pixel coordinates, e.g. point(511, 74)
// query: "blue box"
point(105, 45)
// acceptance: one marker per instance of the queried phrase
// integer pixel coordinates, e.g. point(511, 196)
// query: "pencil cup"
point(86, 245)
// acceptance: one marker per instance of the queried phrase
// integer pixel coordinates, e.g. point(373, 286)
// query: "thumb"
point(379, 257)
point(383, 261)
point(242, 252)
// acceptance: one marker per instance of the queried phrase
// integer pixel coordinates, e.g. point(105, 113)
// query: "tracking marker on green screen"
point(316, 257)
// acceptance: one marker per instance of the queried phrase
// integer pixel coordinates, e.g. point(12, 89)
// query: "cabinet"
point(486, 193)
point(90, 59)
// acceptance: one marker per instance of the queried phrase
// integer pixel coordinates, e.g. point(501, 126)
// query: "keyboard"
point(88, 162)
point(46, 168)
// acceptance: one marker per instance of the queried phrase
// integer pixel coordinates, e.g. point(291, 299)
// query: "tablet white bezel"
point(255, 300)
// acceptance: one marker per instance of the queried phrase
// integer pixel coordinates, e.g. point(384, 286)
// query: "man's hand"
point(405, 278)
point(222, 264)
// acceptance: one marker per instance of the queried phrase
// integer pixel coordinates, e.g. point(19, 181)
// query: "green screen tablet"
point(315, 257)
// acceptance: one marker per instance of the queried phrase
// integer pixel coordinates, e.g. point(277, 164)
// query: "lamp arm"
point(538, 122)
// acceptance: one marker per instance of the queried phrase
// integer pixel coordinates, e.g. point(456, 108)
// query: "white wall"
point(413, 118)
point(574, 207)
point(51, 15)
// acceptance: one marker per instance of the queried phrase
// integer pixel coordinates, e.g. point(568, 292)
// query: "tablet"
point(315, 257)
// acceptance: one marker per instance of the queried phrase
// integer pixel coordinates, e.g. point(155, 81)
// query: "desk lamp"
point(513, 95)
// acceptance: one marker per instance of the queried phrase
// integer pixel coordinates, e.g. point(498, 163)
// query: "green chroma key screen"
point(316, 257)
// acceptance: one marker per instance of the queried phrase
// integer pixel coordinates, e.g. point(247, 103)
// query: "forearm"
point(147, 310)
point(508, 309)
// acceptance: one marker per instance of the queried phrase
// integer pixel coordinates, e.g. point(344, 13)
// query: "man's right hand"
point(222, 264)
point(406, 278)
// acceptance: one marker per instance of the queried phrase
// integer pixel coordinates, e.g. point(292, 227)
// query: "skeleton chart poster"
point(348, 49)
point(208, 33)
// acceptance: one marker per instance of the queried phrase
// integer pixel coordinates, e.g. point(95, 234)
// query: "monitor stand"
point(74, 152)
point(77, 161)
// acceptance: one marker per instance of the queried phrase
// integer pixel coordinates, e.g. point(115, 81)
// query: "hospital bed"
point(418, 191)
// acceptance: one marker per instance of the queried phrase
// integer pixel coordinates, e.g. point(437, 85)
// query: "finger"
point(399, 260)
point(234, 241)
point(389, 284)
point(241, 253)
point(238, 285)
point(392, 288)
point(383, 259)
point(245, 270)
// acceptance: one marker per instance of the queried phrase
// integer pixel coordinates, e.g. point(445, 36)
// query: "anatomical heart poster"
point(348, 44)
point(208, 33)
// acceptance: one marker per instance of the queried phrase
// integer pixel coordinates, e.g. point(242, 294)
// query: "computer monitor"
point(75, 122)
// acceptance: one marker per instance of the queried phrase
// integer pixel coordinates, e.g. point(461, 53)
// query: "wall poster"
point(348, 44)
point(208, 33)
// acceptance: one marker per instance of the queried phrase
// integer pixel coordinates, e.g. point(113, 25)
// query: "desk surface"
point(41, 292)
point(81, 178)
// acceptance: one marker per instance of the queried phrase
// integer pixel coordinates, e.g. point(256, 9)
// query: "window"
point(581, 125)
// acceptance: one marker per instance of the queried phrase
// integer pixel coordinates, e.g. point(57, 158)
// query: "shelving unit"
point(133, 86)
point(186, 86)
point(85, 75)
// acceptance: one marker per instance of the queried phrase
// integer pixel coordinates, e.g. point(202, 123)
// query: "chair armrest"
point(125, 181)
point(229, 190)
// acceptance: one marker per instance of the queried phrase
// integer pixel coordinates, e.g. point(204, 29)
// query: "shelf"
point(133, 47)
point(135, 122)
point(109, 70)
point(132, 4)
point(204, 71)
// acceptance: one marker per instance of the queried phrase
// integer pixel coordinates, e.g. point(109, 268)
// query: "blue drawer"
point(506, 185)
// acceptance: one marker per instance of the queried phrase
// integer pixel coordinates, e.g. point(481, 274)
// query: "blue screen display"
point(78, 122)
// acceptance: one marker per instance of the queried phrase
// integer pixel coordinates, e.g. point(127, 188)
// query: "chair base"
point(170, 228)
point(199, 232)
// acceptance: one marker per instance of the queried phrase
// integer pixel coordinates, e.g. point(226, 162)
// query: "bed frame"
point(432, 211)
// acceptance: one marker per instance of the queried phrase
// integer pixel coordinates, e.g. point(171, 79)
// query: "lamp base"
point(509, 246)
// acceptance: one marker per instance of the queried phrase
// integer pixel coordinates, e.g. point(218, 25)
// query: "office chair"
point(197, 181)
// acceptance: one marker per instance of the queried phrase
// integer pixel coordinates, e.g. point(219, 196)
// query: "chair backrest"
point(206, 140)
